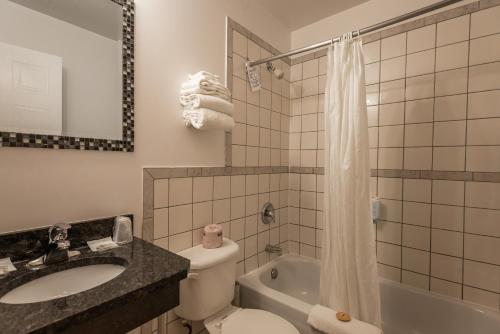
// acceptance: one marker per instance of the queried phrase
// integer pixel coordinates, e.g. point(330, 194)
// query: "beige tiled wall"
point(260, 137)
point(433, 96)
point(438, 110)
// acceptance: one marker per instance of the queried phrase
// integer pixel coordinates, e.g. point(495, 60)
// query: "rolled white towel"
point(206, 119)
point(325, 320)
point(194, 101)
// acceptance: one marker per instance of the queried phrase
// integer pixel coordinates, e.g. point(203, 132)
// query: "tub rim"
point(252, 280)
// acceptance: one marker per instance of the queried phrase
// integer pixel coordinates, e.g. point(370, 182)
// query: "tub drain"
point(274, 273)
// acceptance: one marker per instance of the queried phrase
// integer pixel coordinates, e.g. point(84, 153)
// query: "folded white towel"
point(324, 319)
point(223, 94)
point(206, 119)
point(204, 74)
point(194, 101)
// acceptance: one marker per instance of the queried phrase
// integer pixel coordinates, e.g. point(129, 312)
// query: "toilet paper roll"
point(212, 236)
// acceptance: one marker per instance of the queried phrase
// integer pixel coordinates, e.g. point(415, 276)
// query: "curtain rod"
point(363, 31)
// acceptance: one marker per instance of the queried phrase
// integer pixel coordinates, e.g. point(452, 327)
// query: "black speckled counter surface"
point(148, 287)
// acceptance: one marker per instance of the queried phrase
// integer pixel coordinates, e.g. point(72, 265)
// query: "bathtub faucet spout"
point(274, 249)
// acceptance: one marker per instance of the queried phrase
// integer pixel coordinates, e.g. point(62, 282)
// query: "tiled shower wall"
point(179, 202)
point(433, 90)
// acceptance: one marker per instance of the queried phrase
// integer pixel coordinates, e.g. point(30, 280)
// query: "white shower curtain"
point(349, 279)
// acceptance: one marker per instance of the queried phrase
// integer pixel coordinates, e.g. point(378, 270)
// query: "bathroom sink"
point(62, 283)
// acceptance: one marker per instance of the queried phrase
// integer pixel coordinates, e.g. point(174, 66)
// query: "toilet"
point(207, 292)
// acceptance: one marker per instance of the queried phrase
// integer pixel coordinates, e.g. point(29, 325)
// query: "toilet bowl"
point(207, 292)
point(248, 321)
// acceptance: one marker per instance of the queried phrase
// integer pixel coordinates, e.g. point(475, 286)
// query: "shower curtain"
point(349, 279)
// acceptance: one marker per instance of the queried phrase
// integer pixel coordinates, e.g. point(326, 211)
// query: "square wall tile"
point(392, 69)
point(389, 232)
point(390, 188)
point(391, 114)
point(482, 221)
point(448, 217)
point(483, 195)
point(448, 192)
point(180, 191)
point(483, 132)
point(416, 260)
point(419, 111)
point(202, 189)
point(160, 193)
point(160, 223)
point(388, 272)
point(451, 82)
point(390, 158)
point(483, 104)
point(452, 56)
point(450, 133)
point(484, 77)
point(485, 22)
point(392, 91)
point(482, 275)
point(418, 158)
point(449, 108)
point(416, 280)
point(222, 187)
point(454, 30)
point(391, 136)
point(422, 39)
point(420, 63)
point(371, 52)
point(485, 50)
point(418, 134)
point(389, 254)
point(447, 242)
point(482, 248)
point(446, 288)
point(415, 213)
point(449, 158)
point(417, 190)
point(446, 267)
point(482, 297)
point(180, 219)
point(416, 237)
point(420, 87)
point(393, 46)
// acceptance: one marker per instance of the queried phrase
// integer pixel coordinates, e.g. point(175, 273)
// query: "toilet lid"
point(251, 321)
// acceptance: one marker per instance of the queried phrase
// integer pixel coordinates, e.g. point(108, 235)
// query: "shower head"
point(279, 74)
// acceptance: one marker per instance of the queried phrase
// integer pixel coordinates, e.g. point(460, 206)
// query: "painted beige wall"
point(173, 38)
point(364, 15)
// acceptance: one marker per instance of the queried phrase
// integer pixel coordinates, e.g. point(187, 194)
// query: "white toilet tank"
point(209, 286)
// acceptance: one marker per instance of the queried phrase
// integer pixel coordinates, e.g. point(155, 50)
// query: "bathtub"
point(405, 310)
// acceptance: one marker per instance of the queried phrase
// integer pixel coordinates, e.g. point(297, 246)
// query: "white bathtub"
point(405, 310)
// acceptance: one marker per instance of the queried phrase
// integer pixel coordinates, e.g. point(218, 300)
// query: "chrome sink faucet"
point(57, 249)
point(274, 249)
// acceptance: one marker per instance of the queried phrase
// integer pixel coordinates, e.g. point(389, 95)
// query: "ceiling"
point(99, 16)
point(296, 14)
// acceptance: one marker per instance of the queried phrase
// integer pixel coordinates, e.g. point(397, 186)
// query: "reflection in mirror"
point(61, 68)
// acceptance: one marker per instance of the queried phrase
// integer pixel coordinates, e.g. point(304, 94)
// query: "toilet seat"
point(235, 320)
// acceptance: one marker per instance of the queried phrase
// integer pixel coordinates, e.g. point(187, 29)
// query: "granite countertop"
point(149, 270)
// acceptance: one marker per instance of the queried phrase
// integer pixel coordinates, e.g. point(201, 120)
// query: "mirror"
point(66, 74)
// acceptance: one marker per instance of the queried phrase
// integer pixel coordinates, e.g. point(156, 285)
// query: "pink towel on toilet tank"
point(212, 236)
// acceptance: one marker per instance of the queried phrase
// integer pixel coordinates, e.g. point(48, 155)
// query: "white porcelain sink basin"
point(62, 283)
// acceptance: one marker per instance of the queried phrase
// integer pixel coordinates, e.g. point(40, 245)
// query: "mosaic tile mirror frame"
point(126, 144)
